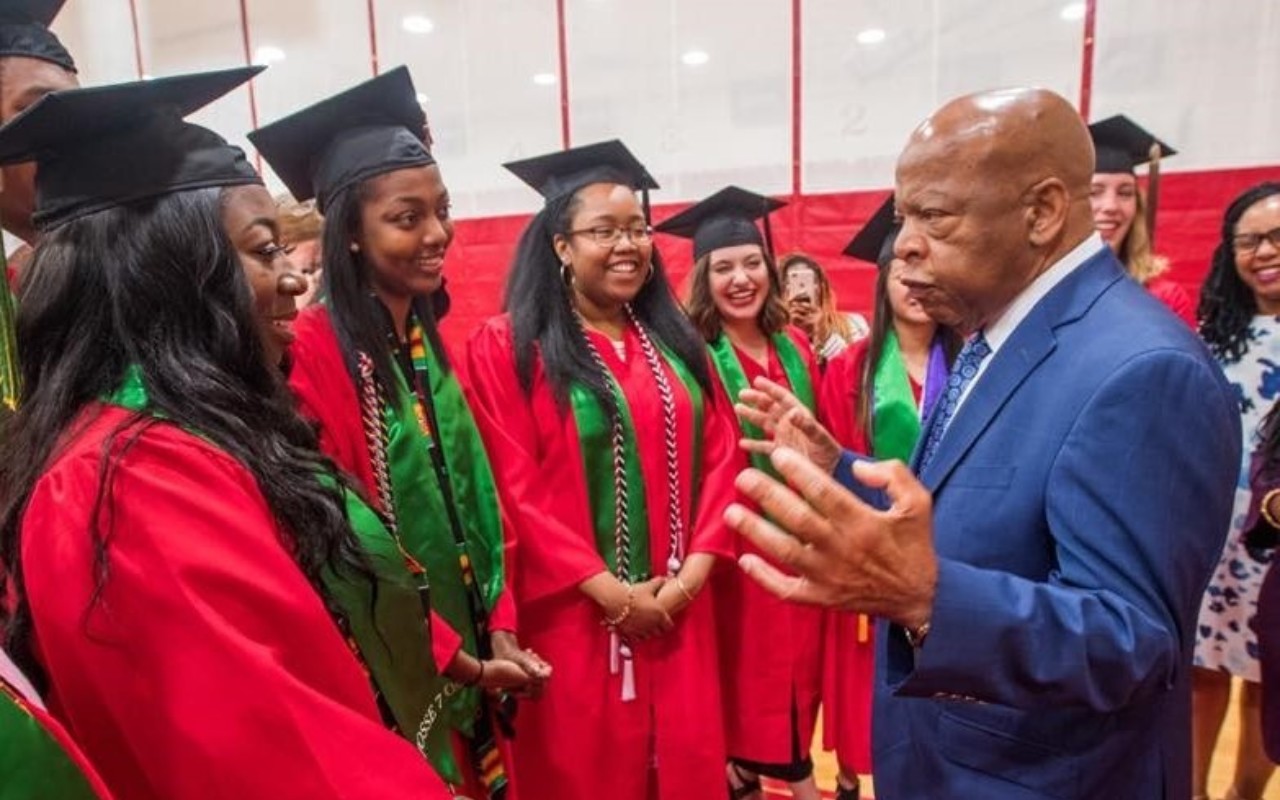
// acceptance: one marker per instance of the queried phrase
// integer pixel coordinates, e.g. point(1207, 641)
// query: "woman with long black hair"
point(616, 461)
point(370, 368)
point(177, 550)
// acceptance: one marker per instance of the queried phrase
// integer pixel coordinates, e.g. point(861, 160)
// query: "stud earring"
point(355, 247)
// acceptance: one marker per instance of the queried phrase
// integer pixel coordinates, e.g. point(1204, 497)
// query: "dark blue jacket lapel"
point(1031, 343)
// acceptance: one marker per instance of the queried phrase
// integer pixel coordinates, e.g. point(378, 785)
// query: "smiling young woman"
point(1120, 209)
point(616, 459)
point(176, 547)
point(369, 367)
point(770, 649)
point(1240, 309)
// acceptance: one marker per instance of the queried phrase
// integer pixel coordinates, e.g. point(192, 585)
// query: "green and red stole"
point(448, 517)
point(595, 434)
point(422, 510)
point(388, 632)
point(895, 415)
point(735, 380)
point(384, 622)
point(33, 763)
point(895, 412)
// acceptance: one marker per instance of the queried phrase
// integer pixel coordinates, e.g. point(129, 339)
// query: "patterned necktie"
point(962, 374)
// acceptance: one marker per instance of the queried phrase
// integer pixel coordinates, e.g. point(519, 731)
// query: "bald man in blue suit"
point(1039, 567)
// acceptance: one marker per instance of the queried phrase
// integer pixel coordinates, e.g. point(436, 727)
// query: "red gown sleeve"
point(1176, 298)
point(207, 667)
point(548, 516)
point(838, 397)
point(326, 395)
point(721, 463)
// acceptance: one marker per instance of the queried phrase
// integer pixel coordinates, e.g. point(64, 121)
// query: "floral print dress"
point(1225, 639)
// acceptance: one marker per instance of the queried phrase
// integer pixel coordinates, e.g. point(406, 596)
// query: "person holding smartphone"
point(811, 304)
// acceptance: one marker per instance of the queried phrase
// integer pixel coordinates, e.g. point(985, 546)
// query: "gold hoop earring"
point(649, 277)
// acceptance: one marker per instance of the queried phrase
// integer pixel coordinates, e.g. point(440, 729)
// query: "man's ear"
point(1048, 203)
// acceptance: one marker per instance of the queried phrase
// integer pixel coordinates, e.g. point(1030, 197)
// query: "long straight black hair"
point(157, 284)
point(542, 312)
point(360, 320)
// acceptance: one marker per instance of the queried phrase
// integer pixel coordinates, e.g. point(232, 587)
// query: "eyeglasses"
point(610, 235)
point(1247, 243)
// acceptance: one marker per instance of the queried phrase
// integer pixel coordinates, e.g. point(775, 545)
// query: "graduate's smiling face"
point(405, 229)
point(738, 282)
point(606, 275)
point(250, 220)
point(1113, 196)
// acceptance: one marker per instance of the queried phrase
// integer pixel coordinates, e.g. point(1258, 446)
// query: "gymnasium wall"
point(808, 100)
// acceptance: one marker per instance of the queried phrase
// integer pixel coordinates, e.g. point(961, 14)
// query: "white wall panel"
point(1205, 77)
point(476, 68)
point(697, 126)
point(864, 92)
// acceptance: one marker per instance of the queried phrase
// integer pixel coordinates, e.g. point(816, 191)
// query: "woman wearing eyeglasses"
point(1240, 321)
point(616, 460)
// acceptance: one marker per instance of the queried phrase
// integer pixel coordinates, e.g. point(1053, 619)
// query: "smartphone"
point(801, 283)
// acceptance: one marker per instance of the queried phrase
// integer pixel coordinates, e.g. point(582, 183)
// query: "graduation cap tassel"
point(10, 379)
point(768, 236)
point(644, 203)
point(1153, 191)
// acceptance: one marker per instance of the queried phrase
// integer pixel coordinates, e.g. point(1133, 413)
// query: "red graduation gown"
point(326, 393)
point(1175, 297)
point(208, 667)
point(580, 741)
point(770, 649)
point(848, 671)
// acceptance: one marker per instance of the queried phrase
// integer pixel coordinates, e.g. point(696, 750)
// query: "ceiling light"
point(416, 23)
point(695, 58)
point(871, 36)
point(268, 54)
point(1072, 12)
point(545, 79)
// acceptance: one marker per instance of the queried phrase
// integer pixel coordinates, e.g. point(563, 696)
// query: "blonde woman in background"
point(1120, 209)
point(811, 303)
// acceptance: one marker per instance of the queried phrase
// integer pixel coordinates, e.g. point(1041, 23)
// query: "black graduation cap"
point(24, 31)
point(555, 175)
point(1121, 144)
point(367, 130)
point(724, 219)
point(874, 243)
point(105, 146)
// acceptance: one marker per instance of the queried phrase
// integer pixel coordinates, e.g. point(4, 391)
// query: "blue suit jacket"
point(1081, 495)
